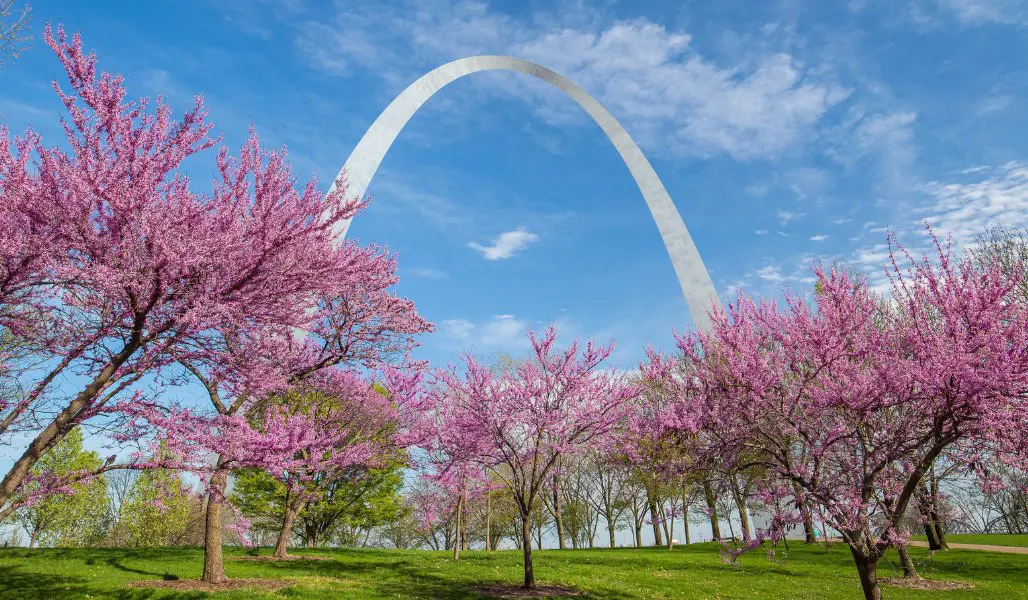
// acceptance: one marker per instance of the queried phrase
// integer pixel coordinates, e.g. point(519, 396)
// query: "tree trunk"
point(809, 537)
point(744, 517)
point(286, 533)
point(908, 565)
point(658, 540)
point(667, 527)
point(457, 543)
point(526, 546)
point(488, 522)
point(213, 564)
point(867, 569)
point(611, 530)
point(685, 517)
point(708, 495)
point(558, 518)
point(32, 540)
point(638, 533)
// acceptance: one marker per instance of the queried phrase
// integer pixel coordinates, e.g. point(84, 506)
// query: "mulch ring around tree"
point(539, 591)
point(291, 557)
point(916, 583)
point(195, 585)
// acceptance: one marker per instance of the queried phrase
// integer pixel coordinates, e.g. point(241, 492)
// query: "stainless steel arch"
point(366, 157)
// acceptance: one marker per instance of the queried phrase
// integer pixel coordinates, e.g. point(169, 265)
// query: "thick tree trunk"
point(939, 532)
point(906, 563)
point(658, 539)
point(638, 535)
point(33, 540)
point(744, 517)
point(526, 546)
point(213, 563)
point(286, 533)
point(611, 530)
point(867, 569)
point(708, 496)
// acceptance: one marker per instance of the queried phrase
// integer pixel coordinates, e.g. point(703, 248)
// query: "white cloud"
point(770, 273)
point(938, 14)
point(456, 328)
point(818, 238)
point(498, 333)
point(673, 99)
point(429, 273)
point(985, 12)
point(785, 216)
point(994, 104)
point(506, 245)
point(963, 210)
point(761, 232)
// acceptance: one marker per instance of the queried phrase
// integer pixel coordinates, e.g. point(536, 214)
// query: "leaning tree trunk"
point(285, 534)
point(740, 504)
point(909, 571)
point(658, 539)
point(526, 547)
point(213, 563)
point(708, 496)
point(867, 569)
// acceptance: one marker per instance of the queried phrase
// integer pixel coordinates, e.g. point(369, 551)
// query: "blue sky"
point(785, 131)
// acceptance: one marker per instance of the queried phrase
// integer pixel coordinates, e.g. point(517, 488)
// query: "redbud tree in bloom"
point(112, 267)
point(356, 323)
point(851, 399)
point(518, 424)
point(334, 425)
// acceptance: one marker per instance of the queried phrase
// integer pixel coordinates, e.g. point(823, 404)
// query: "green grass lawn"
point(688, 572)
point(992, 539)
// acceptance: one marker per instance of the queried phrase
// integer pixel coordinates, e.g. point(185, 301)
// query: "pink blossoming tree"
point(113, 268)
point(851, 400)
point(518, 424)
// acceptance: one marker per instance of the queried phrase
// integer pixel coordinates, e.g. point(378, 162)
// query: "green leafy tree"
point(345, 512)
point(78, 518)
point(157, 509)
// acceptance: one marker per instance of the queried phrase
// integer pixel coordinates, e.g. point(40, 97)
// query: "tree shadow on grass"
point(402, 578)
point(18, 584)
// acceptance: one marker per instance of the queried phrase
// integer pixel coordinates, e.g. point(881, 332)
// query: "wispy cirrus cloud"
point(506, 245)
point(676, 100)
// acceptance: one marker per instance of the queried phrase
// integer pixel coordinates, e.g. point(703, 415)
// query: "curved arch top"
point(366, 157)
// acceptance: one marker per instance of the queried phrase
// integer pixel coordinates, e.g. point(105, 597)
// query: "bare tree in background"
point(1008, 248)
point(14, 30)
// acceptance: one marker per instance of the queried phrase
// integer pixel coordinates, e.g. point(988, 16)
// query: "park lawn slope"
point(988, 539)
point(688, 572)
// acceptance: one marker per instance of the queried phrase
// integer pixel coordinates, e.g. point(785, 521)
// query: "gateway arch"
point(366, 157)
